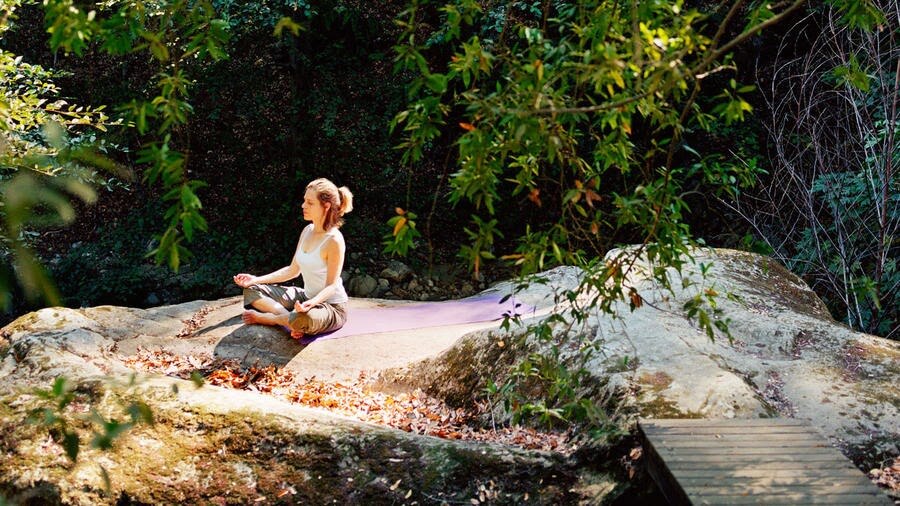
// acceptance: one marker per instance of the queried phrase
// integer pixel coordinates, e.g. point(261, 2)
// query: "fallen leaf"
point(535, 196)
point(636, 299)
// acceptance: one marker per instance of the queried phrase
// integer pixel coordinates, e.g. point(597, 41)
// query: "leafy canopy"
point(583, 111)
point(48, 145)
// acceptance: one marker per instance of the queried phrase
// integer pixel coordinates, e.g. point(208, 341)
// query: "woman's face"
point(312, 208)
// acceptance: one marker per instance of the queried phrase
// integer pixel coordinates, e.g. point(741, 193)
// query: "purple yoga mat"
point(482, 308)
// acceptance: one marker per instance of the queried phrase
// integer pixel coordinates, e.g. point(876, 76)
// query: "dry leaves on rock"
point(888, 476)
point(414, 411)
point(194, 322)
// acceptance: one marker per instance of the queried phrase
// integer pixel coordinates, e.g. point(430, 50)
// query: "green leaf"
point(437, 83)
point(859, 14)
point(197, 379)
point(853, 75)
point(289, 24)
point(71, 443)
point(107, 483)
point(59, 387)
point(140, 412)
point(111, 430)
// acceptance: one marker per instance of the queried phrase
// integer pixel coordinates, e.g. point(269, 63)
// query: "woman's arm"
point(284, 274)
point(333, 253)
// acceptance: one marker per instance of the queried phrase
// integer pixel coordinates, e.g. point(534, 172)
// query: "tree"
point(559, 103)
point(831, 208)
point(584, 111)
point(44, 159)
point(48, 136)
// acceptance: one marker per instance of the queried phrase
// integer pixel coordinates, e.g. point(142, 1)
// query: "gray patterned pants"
point(324, 317)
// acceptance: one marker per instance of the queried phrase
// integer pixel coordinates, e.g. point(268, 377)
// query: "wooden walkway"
point(759, 461)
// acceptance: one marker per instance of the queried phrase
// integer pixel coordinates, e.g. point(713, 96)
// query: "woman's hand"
point(303, 307)
point(245, 280)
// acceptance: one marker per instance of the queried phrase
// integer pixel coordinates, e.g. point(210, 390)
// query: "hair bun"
point(346, 199)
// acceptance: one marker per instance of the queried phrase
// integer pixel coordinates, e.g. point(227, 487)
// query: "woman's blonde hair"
point(340, 200)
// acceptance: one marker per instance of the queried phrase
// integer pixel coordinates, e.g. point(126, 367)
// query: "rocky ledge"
point(216, 445)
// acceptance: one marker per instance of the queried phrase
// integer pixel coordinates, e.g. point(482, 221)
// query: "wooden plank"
point(749, 431)
point(770, 465)
point(806, 472)
point(701, 442)
point(728, 453)
point(695, 492)
point(723, 422)
point(795, 499)
point(758, 461)
point(820, 461)
point(753, 438)
point(766, 485)
point(698, 430)
point(657, 469)
point(751, 450)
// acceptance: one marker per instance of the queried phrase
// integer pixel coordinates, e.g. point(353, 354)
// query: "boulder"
point(213, 445)
point(396, 272)
point(786, 357)
point(362, 286)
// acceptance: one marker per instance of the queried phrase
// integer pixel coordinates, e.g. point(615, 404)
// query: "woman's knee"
point(250, 296)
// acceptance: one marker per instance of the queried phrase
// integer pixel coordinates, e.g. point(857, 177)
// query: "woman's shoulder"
point(336, 236)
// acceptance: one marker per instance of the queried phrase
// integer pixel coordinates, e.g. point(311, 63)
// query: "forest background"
point(112, 142)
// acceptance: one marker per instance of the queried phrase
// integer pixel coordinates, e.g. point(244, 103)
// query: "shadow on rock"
point(234, 320)
point(259, 345)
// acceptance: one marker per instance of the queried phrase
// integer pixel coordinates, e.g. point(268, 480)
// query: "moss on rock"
point(196, 455)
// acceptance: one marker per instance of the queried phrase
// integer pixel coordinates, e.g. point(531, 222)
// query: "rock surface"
point(217, 446)
point(788, 357)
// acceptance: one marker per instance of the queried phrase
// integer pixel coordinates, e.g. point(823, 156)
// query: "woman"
point(320, 306)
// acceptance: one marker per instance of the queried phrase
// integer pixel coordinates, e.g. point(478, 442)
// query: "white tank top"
point(314, 271)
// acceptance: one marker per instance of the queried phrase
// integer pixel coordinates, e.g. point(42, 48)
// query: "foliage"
point(319, 106)
point(550, 385)
point(176, 35)
point(831, 208)
point(57, 416)
point(583, 110)
point(403, 233)
point(44, 161)
point(114, 268)
point(247, 17)
point(872, 289)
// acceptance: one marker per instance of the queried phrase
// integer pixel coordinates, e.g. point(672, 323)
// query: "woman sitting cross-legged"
point(320, 306)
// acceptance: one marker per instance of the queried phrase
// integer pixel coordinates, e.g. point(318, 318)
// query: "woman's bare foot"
point(251, 317)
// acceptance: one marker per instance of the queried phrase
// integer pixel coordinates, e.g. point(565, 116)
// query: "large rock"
point(396, 272)
point(788, 357)
point(217, 446)
point(214, 446)
point(362, 286)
